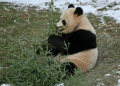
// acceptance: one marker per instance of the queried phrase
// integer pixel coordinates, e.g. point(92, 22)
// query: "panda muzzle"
point(59, 29)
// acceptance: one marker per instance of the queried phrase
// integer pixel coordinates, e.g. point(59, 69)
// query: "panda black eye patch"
point(64, 22)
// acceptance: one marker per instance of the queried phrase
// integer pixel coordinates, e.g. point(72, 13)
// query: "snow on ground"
point(5, 85)
point(118, 84)
point(89, 6)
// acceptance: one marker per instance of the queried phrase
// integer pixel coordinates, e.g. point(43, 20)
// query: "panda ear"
point(78, 11)
point(71, 6)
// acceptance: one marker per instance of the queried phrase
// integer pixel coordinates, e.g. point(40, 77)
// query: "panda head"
point(69, 19)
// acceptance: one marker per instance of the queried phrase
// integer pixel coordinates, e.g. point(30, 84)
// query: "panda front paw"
point(52, 39)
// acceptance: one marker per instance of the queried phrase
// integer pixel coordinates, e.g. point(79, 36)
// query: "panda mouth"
point(60, 30)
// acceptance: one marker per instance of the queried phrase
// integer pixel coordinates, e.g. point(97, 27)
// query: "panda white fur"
point(73, 20)
point(80, 37)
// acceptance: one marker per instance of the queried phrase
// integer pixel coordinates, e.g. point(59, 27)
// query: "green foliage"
point(26, 68)
point(20, 32)
point(31, 72)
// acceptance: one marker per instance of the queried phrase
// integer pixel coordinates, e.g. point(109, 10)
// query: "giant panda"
point(79, 36)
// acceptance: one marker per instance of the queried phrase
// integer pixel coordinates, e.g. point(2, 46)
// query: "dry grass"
point(21, 30)
point(108, 40)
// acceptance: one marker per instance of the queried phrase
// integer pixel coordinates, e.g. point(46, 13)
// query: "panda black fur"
point(80, 37)
point(79, 40)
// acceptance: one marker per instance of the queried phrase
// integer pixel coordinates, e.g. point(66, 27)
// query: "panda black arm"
point(57, 44)
point(80, 40)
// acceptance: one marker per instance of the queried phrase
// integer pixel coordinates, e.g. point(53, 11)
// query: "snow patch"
point(5, 85)
point(89, 6)
point(61, 84)
point(100, 84)
point(118, 84)
point(3, 67)
point(118, 72)
point(107, 75)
